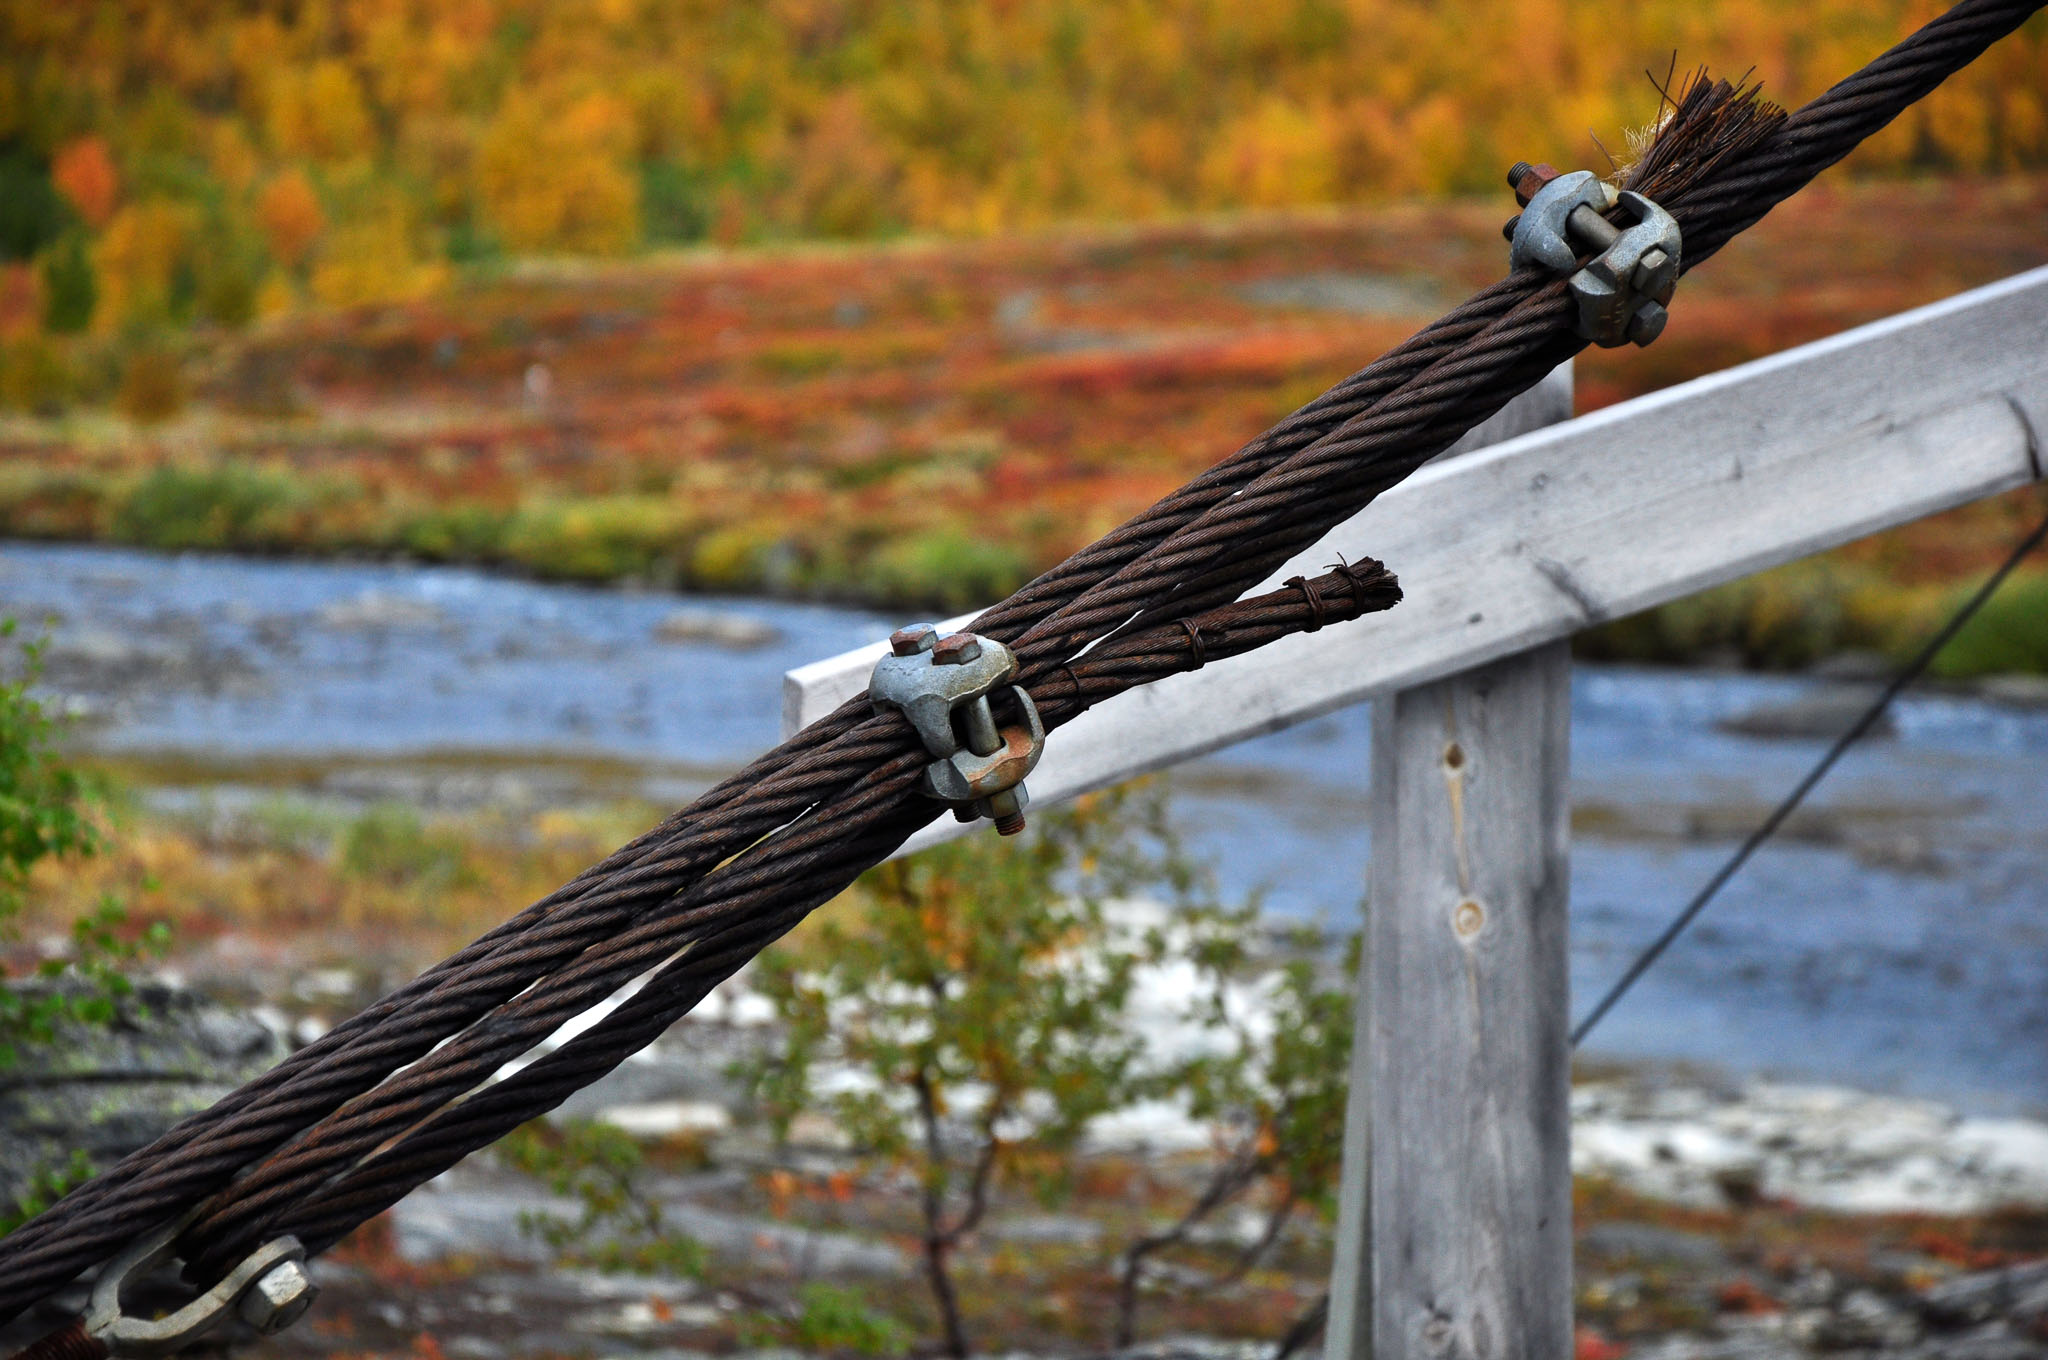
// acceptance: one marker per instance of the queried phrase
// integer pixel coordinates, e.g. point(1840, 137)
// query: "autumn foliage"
point(228, 159)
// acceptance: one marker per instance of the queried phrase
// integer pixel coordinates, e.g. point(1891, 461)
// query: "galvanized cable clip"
point(944, 685)
point(270, 1290)
point(1622, 292)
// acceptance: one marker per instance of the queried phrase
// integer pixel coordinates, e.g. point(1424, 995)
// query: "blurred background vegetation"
point(216, 162)
point(400, 277)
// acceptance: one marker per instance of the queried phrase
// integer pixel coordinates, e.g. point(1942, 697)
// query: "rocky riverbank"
point(1717, 1220)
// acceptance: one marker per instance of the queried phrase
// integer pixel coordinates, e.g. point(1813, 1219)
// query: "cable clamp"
point(269, 1290)
point(945, 686)
point(1623, 290)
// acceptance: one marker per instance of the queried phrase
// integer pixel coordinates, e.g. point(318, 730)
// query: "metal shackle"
point(1622, 292)
point(269, 1290)
point(946, 687)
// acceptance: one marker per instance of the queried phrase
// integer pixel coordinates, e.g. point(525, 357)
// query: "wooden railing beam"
point(1644, 502)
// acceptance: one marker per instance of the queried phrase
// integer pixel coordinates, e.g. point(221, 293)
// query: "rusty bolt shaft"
point(983, 737)
point(1006, 811)
point(70, 1343)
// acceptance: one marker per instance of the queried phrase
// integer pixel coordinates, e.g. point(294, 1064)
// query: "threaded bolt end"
point(1009, 824)
point(71, 1343)
point(1516, 171)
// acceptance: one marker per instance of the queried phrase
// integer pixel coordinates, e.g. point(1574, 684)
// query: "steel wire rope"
point(391, 1044)
point(1956, 38)
point(405, 1024)
point(1451, 433)
point(202, 1154)
point(245, 1211)
point(752, 905)
point(1855, 732)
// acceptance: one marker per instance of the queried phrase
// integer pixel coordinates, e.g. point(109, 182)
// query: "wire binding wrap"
point(1315, 602)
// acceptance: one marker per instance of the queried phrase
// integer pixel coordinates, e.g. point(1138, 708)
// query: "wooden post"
point(1454, 1224)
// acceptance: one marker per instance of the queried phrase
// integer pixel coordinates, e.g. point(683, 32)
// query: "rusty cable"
point(1186, 555)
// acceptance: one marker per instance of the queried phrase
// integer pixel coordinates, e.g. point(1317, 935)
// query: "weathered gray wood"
point(1455, 1221)
point(1360, 1240)
point(1641, 503)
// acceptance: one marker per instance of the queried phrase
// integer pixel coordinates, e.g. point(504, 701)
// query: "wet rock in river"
point(1831, 1148)
point(98, 662)
point(734, 631)
point(1822, 714)
point(1995, 1342)
point(381, 609)
point(668, 1118)
point(2025, 691)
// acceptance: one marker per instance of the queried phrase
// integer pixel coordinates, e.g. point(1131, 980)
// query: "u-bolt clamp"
point(944, 685)
point(270, 1290)
point(1622, 292)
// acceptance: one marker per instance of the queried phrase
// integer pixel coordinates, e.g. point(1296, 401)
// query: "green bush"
point(457, 533)
point(44, 804)
point(675, 203)
point(827, 1319)
point(49, 810)
point(621, 1227)
point(227, 276)
point(601, 539)
point(46, 1185)
point(176, 507)
point(389, 843)
point(32, 214)
point(949, 569)
point(70, 288)
point(730, 558)
point(982, 994)
point(1781, 619)
point(152, 386)
point(35, 377)
point(2009, 634)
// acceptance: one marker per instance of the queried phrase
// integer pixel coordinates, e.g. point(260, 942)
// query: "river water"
point(1895, 939)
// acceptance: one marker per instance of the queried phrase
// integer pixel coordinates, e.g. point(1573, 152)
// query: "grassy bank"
point(925, 425)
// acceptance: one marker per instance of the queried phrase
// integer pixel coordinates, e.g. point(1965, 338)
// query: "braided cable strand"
point(203, 1153)
point(174, 1170)
point(244, 1213)
point(1195, 547)
point(253, 1207)
point(750, 904)
point(1273, 493)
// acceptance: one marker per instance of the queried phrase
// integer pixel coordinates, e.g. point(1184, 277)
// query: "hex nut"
point(1647, 324)
point(956, 649)
point(1655, 275)
point(910, 641)
point(1526, 180)
point(278, 1298)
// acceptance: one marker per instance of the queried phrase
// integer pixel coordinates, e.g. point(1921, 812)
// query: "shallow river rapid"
point(1895, 939)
